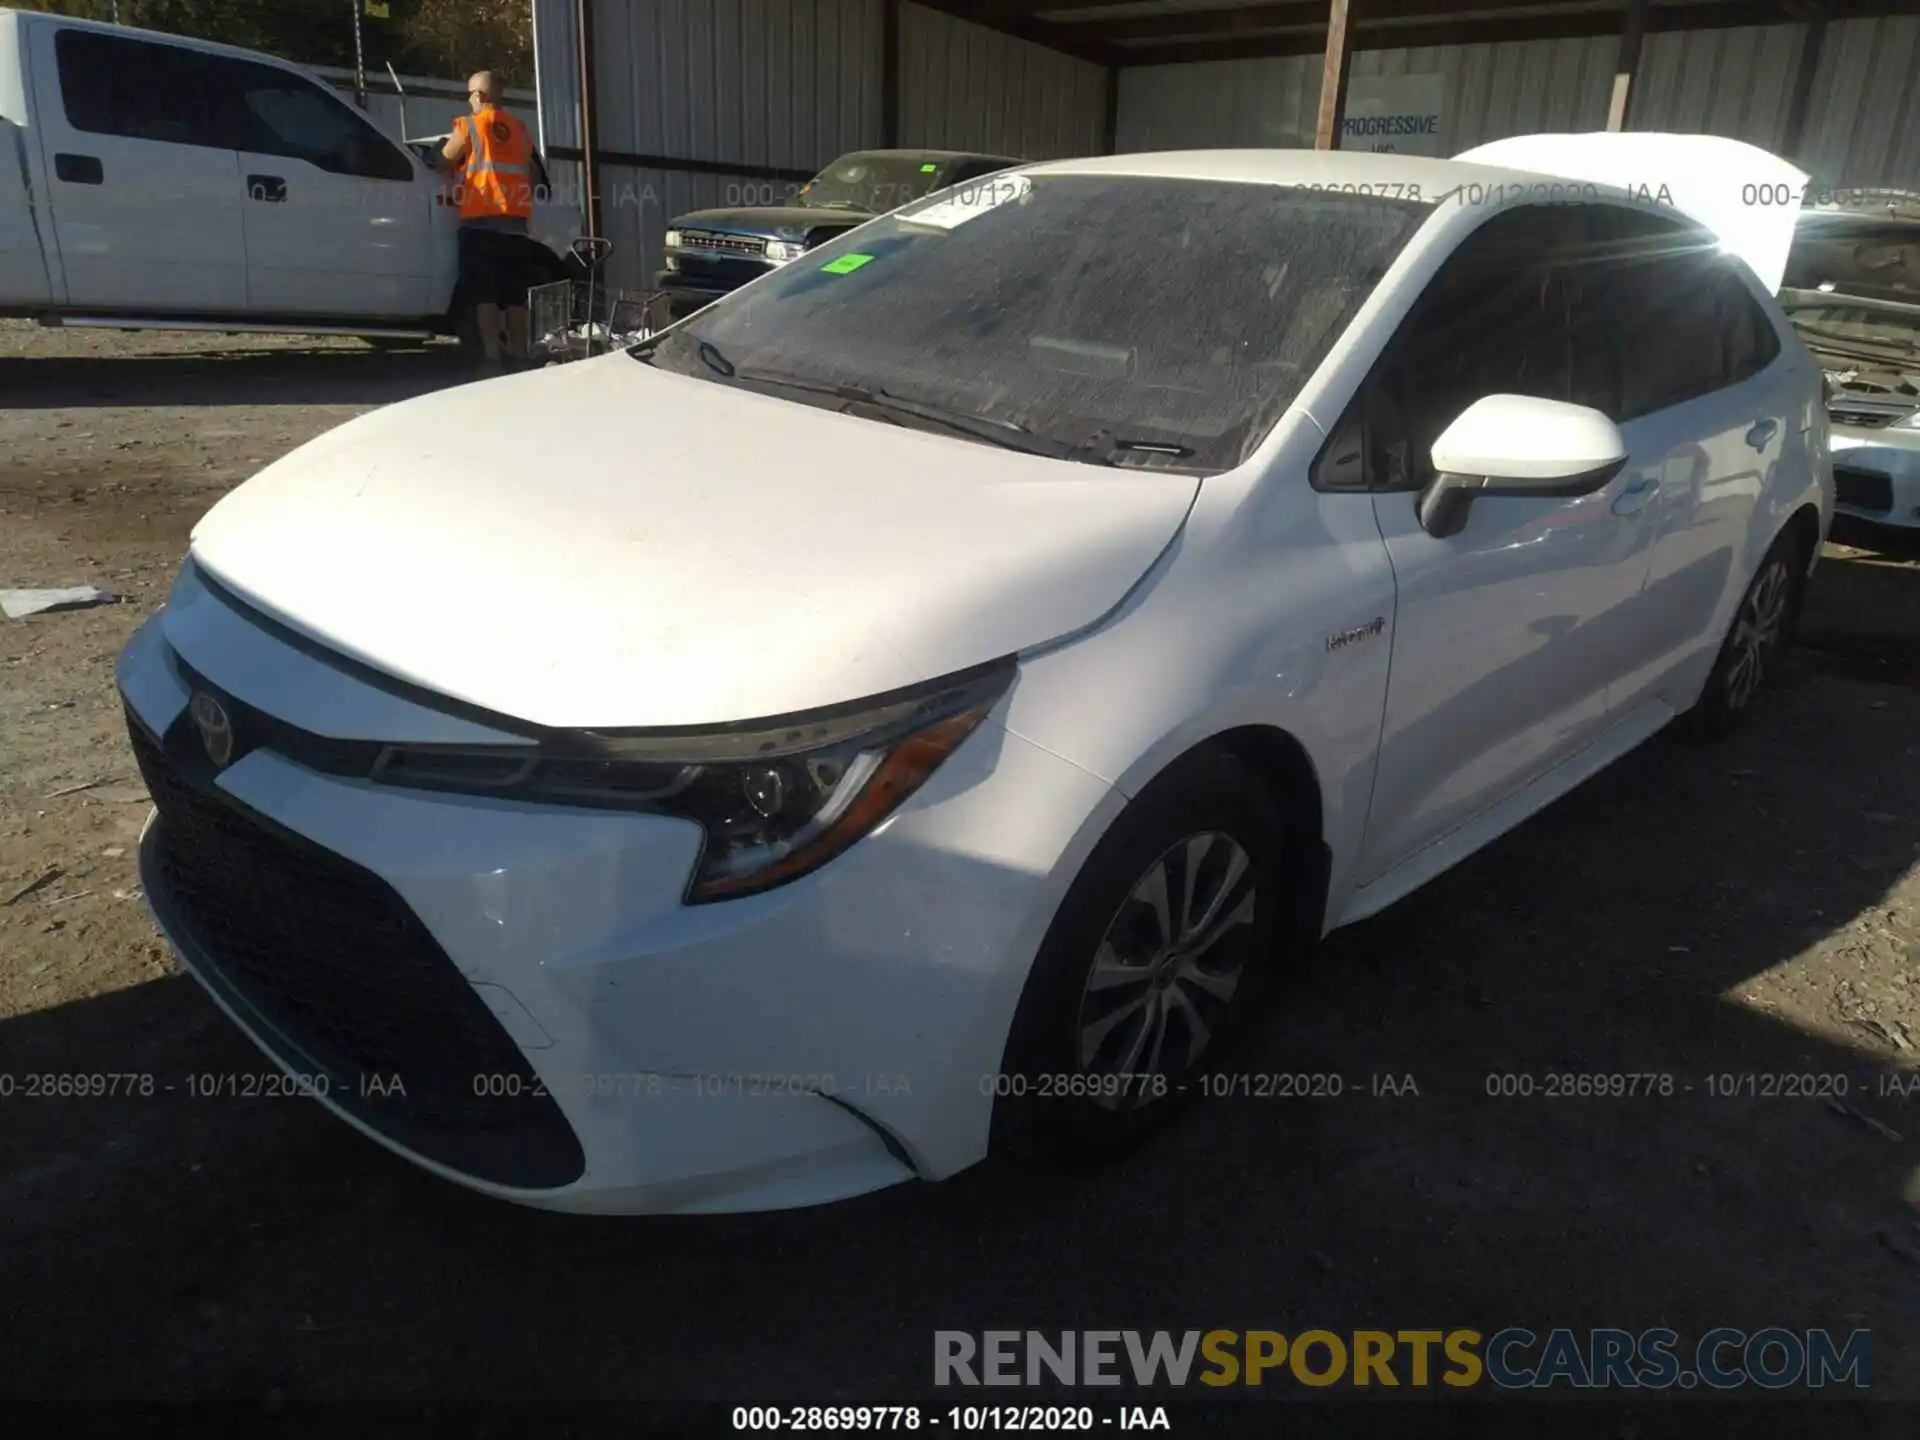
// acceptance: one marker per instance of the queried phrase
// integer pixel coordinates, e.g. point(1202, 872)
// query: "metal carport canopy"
point(1165, 32)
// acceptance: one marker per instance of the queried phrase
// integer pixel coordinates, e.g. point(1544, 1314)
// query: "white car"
point(911, 707)
point(1853, 292)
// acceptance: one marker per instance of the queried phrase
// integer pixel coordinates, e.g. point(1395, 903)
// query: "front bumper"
point(824, 1039)
point(1876, 483)
point(686, 295)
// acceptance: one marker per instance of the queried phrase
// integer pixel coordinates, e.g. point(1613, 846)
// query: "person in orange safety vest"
point(498, 170)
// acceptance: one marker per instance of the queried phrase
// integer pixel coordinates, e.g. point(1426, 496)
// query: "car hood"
point(604, 544)
point(778, 222)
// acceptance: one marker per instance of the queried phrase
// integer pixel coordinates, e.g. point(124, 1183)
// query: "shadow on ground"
point(323, 375)
point(180, 1246)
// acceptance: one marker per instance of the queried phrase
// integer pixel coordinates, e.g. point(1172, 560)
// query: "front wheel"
point(1762, 628)
point(1157, 957)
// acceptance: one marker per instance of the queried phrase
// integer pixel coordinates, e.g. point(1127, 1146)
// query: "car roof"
point(936, 155)
point(1432, 177)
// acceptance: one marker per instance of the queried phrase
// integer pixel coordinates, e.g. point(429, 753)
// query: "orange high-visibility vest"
point(498, 179)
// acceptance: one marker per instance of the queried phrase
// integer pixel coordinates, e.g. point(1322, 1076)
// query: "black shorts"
point(493, 267)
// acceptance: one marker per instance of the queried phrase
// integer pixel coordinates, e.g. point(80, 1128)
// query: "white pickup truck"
point(150, 181)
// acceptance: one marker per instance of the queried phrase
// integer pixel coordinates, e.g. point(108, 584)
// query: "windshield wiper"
point(1099, 449)
point(838, 205)
point(1004, 433)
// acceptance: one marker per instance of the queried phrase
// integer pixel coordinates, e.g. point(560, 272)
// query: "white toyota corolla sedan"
point(909, 708)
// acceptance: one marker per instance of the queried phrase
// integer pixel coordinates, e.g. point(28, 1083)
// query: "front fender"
point(1231, 629)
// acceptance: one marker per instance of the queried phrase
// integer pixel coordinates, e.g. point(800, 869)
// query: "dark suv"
point(710, 252)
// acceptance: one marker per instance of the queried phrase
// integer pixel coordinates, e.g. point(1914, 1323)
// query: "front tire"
point(1160, 953)
point(1762, 627)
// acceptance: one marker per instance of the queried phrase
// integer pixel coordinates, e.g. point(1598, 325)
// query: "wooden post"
point(589, 118)
point(1628, 65)
point(1333, 78)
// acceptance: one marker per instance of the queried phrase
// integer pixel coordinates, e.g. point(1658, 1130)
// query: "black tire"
point(1042, 1114)
point(1762, 628)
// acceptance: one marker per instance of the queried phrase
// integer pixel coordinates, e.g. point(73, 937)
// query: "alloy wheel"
point(1168, 966)
point(1756, 633)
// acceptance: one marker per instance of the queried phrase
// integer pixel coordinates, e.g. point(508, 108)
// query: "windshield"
point(1160, 324)
point(875, 183)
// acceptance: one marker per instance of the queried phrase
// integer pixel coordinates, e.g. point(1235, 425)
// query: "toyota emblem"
point(210, 718)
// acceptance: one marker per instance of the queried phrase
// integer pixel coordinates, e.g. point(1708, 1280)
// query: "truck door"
point(146, 198)
point(339, 219)
point(23, 270)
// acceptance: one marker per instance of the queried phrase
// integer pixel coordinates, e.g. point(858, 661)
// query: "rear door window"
point(1687, 321)
point(137, 89)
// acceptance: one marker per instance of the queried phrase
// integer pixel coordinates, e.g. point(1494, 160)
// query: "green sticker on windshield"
point(928, 169)
point(846, 264)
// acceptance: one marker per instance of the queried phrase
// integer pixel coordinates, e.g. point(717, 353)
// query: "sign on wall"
point(1396, 113)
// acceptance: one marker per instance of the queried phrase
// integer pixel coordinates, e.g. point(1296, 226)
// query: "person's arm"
point(455, 150)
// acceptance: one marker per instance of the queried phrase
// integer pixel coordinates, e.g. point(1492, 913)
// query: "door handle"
point(1761, 433)
point(79, 169)
point(272, 189)
point(1637, 495)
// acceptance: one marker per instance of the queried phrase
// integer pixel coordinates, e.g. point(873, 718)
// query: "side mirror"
point(1518, 445)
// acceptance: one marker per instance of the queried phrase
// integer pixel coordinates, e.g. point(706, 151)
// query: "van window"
point(110, 85)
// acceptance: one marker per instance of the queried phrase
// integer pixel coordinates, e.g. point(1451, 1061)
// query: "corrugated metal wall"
point(1735, 82)
point(1863, 125)
point(789, 84)
point(786, 85)
point(1492, 91)
point(1863, 122)
point(964, 87)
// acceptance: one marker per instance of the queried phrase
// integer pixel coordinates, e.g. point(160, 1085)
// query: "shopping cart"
point(572, 319)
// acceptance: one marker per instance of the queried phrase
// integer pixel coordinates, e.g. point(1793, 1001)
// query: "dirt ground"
point(1746, 910)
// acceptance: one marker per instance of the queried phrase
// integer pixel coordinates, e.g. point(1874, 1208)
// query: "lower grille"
point(1862, 419)
point(334, 970)
point(1862, 489)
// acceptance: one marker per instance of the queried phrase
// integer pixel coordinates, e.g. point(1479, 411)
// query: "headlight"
point(781, 251)
point(775, 800)
point(673, 240)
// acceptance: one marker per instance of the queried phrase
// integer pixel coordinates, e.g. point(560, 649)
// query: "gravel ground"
point(1748, 909)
